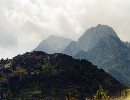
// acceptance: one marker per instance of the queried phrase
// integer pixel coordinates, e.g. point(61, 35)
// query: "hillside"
point(40, 75)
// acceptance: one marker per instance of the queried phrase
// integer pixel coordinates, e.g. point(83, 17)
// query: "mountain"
point(53, 44)
point(112, 58)
point(37, 75)
point(101, 46)
point(89, 39)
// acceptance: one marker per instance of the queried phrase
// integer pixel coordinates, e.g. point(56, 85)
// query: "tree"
point(101, 94)
point(70, 96)
point(125, 93)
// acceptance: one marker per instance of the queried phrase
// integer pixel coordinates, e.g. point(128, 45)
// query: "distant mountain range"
point(101, 46)
point(37, 75)
point(53, 44)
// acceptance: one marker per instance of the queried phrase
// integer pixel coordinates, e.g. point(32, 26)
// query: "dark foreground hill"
point(40, 75)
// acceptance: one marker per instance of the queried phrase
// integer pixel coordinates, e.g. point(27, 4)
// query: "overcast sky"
point(25, 23)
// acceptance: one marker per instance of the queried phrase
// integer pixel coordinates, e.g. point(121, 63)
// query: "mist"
point(25, 23)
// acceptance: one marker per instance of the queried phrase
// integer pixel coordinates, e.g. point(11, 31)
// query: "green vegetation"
point(38, 75)
point(125, 93)
point(101, 94)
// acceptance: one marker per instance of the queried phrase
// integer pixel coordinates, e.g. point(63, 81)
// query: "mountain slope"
point(127, 44)
point(101, 46)
point(111, 55)
point(53, 44)
point(40, 75)
point(89, 39)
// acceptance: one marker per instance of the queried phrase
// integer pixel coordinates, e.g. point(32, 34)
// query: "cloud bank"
point(24, 23)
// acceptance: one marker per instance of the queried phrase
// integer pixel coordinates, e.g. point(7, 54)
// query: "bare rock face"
point(89, 39)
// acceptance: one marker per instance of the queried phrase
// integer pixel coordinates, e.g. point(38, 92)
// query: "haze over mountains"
point(101, 46)
point(53, 44)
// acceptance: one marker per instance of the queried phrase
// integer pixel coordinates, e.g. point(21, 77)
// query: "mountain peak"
point(100, 25)
point(101, 30)
point(53, 44)
point(98, 32)
point(53, 36)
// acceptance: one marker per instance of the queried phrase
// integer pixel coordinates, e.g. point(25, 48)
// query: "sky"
point(25, 23)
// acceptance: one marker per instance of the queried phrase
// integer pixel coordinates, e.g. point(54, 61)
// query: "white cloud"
point(24, 23)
